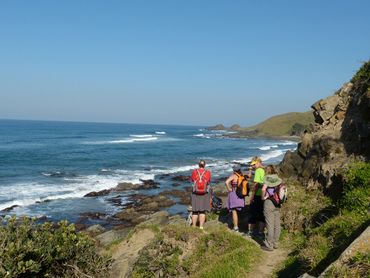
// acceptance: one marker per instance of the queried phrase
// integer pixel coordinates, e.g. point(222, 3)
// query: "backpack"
point(242, 188)
point(200, 186)
point(279, 194)
point(216, 203)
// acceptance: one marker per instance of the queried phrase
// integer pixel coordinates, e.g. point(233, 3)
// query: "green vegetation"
point(362, 78)
point(284, 125)
point(31, 250)
point(328, 226)
point(356, 267)
point(184, 251)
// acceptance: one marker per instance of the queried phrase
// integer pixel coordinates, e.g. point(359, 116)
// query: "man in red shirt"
point(201, 195)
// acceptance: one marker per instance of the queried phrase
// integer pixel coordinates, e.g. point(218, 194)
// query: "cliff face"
point(341, 132)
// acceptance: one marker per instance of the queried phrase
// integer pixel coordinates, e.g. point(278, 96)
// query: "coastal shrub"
point(227, 255)
point(47, 250)
point(299, 210)
point(362, 77)
point(356, 189)
point(324, 241)
point(180, 251)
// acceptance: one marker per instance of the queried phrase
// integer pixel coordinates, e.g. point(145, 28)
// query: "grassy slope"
point(281, 125)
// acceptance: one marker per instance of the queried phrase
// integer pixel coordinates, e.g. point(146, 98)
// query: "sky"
point(190, 62)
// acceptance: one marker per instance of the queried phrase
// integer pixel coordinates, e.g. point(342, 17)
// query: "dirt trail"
point(270, 260)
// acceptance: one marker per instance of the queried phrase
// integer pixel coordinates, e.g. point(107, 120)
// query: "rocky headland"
point(340, 134)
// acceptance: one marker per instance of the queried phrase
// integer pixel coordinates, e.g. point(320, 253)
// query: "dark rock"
point(93, 215)
point(181, 178)
point(175, 184)
point(184, 196)
point(9, 208)
point(116, 200)
point(147, 184)
point(98, 193)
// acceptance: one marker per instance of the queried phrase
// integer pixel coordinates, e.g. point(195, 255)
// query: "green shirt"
point(259, 177)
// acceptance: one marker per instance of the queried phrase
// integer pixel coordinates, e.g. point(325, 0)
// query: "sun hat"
point(272, 180)
point(255, 160)
point(236, 167)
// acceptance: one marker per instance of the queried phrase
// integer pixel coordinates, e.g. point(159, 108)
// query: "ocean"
point(47, 167)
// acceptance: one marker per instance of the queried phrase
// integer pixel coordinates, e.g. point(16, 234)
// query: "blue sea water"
point(47, 167)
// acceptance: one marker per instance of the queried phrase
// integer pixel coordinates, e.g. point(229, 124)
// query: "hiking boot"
point(267, 248)
point(236, 229)
point(276, 246)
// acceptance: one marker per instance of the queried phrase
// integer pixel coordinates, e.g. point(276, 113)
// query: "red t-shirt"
point(207, 174)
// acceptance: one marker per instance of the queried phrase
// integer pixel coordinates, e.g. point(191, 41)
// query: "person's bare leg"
point(194, 219)
point(235, 218)
point(202, 219)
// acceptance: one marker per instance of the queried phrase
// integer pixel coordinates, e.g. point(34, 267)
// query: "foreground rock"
point(341, 132)
point(124, 186)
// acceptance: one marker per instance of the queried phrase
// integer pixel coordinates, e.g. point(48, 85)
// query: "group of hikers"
point(266, 190)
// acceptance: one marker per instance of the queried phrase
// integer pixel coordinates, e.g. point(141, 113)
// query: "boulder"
point(95, 230)
point(113, 235)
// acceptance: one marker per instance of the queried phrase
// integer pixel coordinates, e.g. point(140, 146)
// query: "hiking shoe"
point(248, 234)
point(276, 246)
point(267, 248)
point(236, 229)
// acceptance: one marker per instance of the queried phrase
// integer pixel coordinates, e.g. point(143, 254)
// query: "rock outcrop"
point(341, 132)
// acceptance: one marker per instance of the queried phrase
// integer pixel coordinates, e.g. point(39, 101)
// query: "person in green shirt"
point(256, 222)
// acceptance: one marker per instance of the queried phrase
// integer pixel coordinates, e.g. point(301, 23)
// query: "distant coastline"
point(288, 126)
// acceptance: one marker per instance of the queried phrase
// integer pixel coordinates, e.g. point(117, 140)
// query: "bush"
point(43, 250)
point(180, 251)
point(356, 189)
point(328, 233)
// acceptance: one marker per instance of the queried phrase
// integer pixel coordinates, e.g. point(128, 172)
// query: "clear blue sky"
point(176, 62)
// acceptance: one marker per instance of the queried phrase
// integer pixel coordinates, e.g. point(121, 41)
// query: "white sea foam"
point(141, 135)
point(123, 141)
point(199, 135)
point(266, 148)
point(287, 143)
point(160, 132)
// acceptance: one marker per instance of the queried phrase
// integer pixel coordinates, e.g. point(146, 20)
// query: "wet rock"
point(98, 193)
point(181, 178)
point(149, 184)
point(9, 208)
point(183, 195)
point(176, 184)
point(93, 215)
